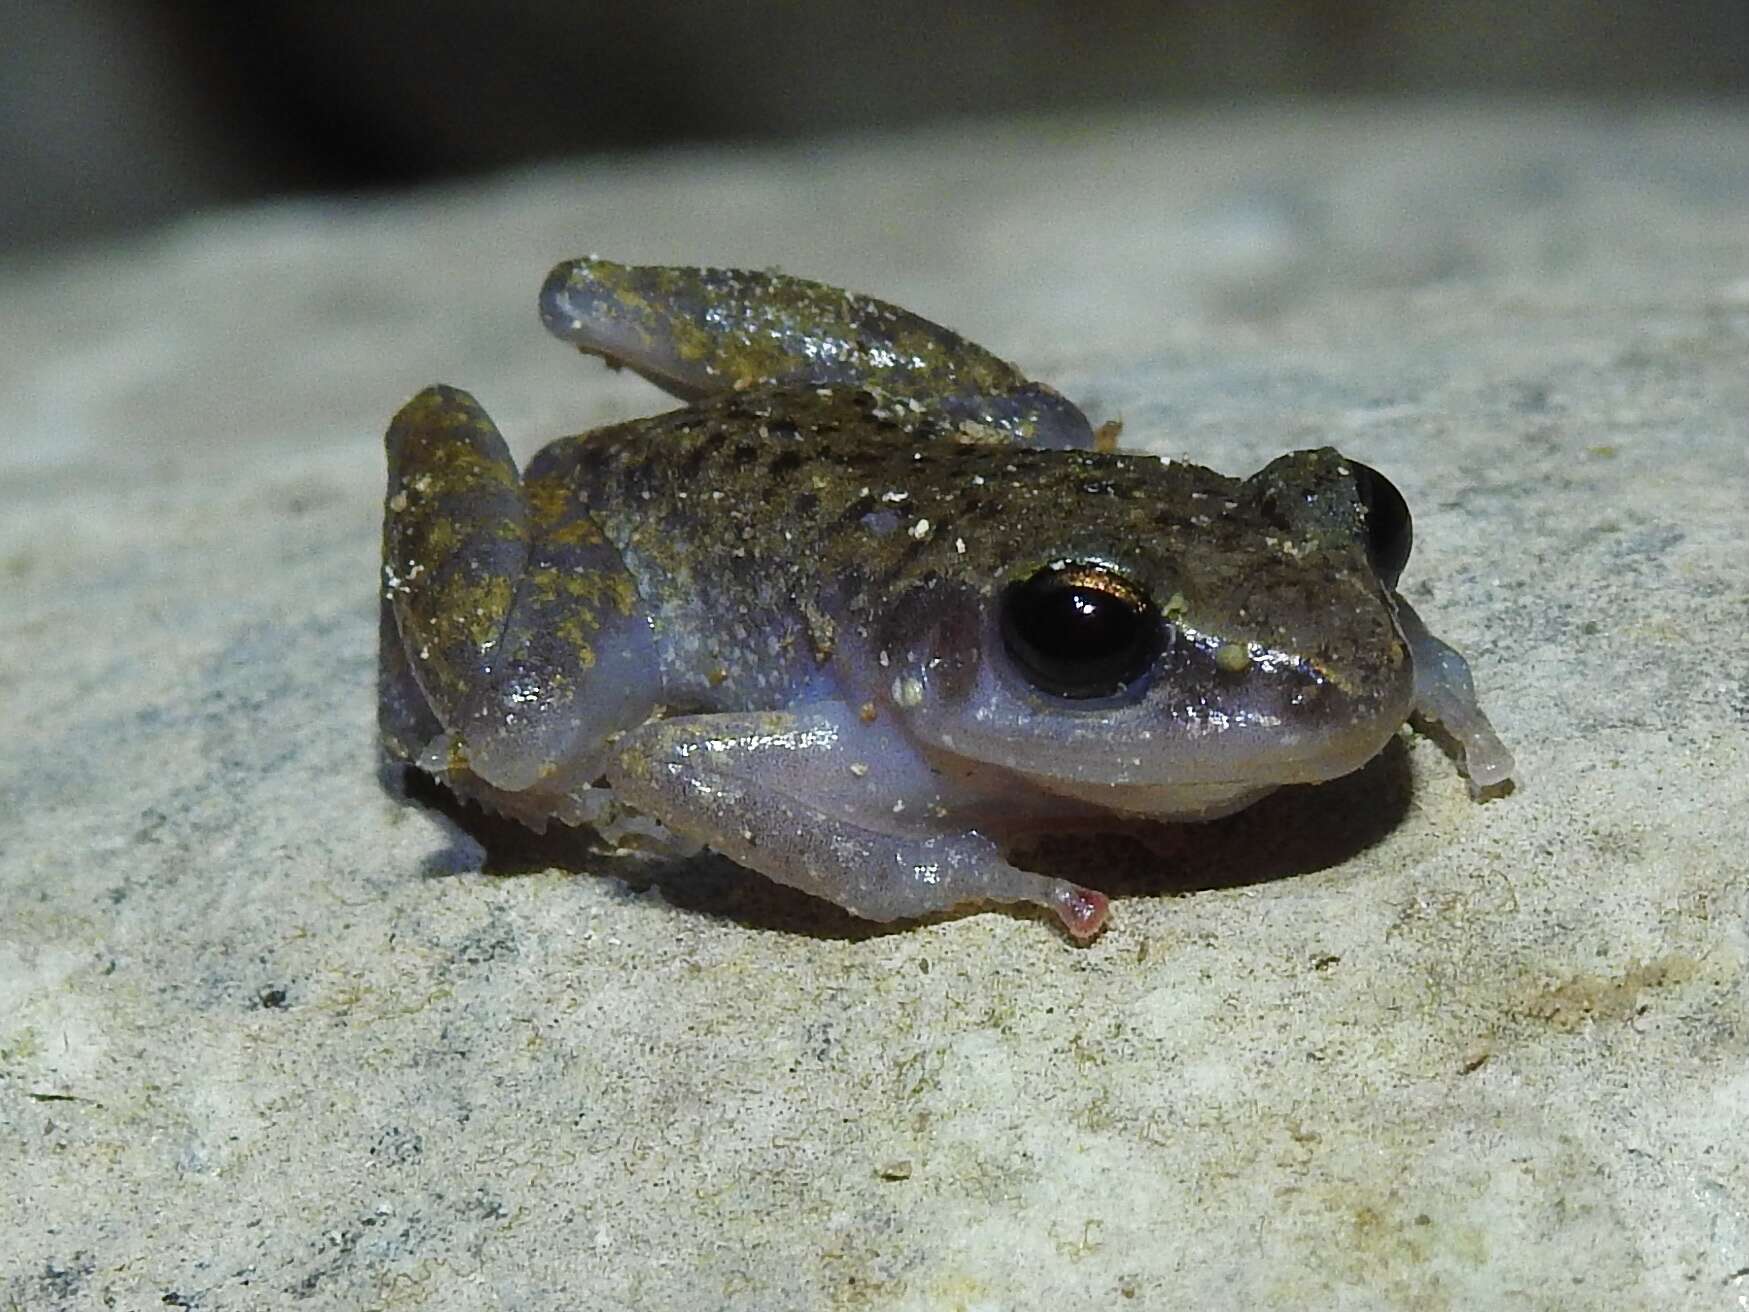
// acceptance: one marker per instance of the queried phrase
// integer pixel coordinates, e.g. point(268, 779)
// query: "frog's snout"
point(1322, 724)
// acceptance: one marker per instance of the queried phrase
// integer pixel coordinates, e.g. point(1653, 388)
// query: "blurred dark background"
point(116, 114)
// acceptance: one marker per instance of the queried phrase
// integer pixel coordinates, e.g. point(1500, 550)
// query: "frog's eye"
point(1079, 630)
point(1390, 531)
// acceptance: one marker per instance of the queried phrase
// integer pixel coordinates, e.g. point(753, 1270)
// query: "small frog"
point(873, 606)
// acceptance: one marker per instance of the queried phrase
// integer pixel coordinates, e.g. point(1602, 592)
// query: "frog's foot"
point(823, 802)
point(698, 333)
point(1445, 693)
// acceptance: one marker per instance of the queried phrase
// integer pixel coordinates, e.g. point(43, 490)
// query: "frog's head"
point(1173, 665)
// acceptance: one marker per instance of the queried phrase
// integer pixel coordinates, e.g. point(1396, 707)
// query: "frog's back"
point(730, 516)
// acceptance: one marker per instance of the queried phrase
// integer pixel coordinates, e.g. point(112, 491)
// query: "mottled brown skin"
point(807, 509)
point(777, 621)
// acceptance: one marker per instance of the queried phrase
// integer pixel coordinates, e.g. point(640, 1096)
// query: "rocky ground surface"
point(274, 1035)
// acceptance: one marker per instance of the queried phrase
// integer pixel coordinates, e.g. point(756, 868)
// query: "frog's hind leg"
point(698, 333)
point(513, 616)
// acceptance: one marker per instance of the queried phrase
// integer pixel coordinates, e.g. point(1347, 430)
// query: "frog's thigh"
point(820, 801)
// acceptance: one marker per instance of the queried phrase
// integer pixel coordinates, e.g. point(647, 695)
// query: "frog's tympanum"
point(873, 607)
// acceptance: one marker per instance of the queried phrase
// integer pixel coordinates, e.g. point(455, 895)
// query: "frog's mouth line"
point(1165, 772)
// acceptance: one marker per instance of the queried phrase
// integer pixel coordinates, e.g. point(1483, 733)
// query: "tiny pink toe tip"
point(1083, 911)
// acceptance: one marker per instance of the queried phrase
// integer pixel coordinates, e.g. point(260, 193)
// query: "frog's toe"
point(1083, 911)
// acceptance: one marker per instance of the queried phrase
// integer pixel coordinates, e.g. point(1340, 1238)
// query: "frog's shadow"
point(1294, 831)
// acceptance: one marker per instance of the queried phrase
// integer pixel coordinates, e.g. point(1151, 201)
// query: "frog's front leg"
point(698, 333)
point(821, 800)
point(509, 611)
point(1445, 692)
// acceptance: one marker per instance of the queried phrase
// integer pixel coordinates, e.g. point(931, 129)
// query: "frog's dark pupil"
point(1079, 630)
point(1390, 531)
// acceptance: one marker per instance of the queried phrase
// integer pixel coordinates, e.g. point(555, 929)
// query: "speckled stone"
point(274, 1036)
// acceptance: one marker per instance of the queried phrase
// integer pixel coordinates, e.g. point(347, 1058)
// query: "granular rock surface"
point(274, 1033)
